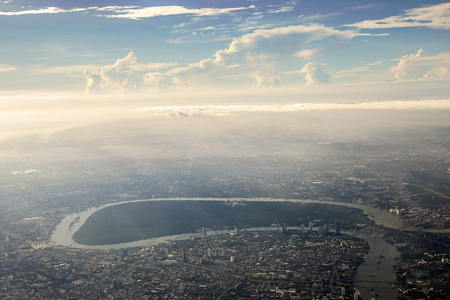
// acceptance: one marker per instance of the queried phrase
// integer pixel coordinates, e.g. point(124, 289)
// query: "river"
point(63, 233)
point(376, 271)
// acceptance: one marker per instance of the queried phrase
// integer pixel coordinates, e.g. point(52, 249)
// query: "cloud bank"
point(224, 110)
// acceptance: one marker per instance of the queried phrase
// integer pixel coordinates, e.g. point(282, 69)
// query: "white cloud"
point(5, 68)
point(435, 16)
point(153, 81)
point(267, 76)
point(351, 72)
point(224, 110)
point(282, 9)
point(152, 66)
point(130, 12)
point(262, 46)
point(40, 11)
point(137, 13)
point(318, 17)
point(307, 53)
point(422, 66)
point(378, 62)
point(209, 39)
point(114, 77)
point(111, 77)
point(316, 73)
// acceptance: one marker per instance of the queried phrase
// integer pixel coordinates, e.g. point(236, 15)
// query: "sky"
point(167, 75)
point(153, 47)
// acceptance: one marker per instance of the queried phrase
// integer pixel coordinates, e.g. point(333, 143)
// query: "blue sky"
point(154, 46)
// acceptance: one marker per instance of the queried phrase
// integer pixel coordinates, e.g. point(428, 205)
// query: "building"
point(337, 226)
point(283, 228)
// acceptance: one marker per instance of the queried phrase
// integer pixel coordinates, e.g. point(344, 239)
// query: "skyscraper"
point(337, 225)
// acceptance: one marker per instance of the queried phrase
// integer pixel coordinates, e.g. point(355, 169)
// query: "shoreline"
point(63, 233)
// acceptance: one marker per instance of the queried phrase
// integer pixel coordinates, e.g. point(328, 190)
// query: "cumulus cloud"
point(434, 16)
point(111, 77)
point(153, 81)
point(267, 76)
point(422, 66)
point(260, 47)
point(316, 73)
point(115, 77)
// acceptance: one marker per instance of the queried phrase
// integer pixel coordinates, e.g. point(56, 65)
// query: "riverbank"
point(63, 233)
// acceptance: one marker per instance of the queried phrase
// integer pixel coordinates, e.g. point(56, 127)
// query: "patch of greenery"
point(141, 220)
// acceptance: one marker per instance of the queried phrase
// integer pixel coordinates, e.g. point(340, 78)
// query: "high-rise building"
point(22, 294)
point(262, 255)
point(118, 284)
point(151, 260)
point(337, 226)
point(404, 281)
point(204, 232)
